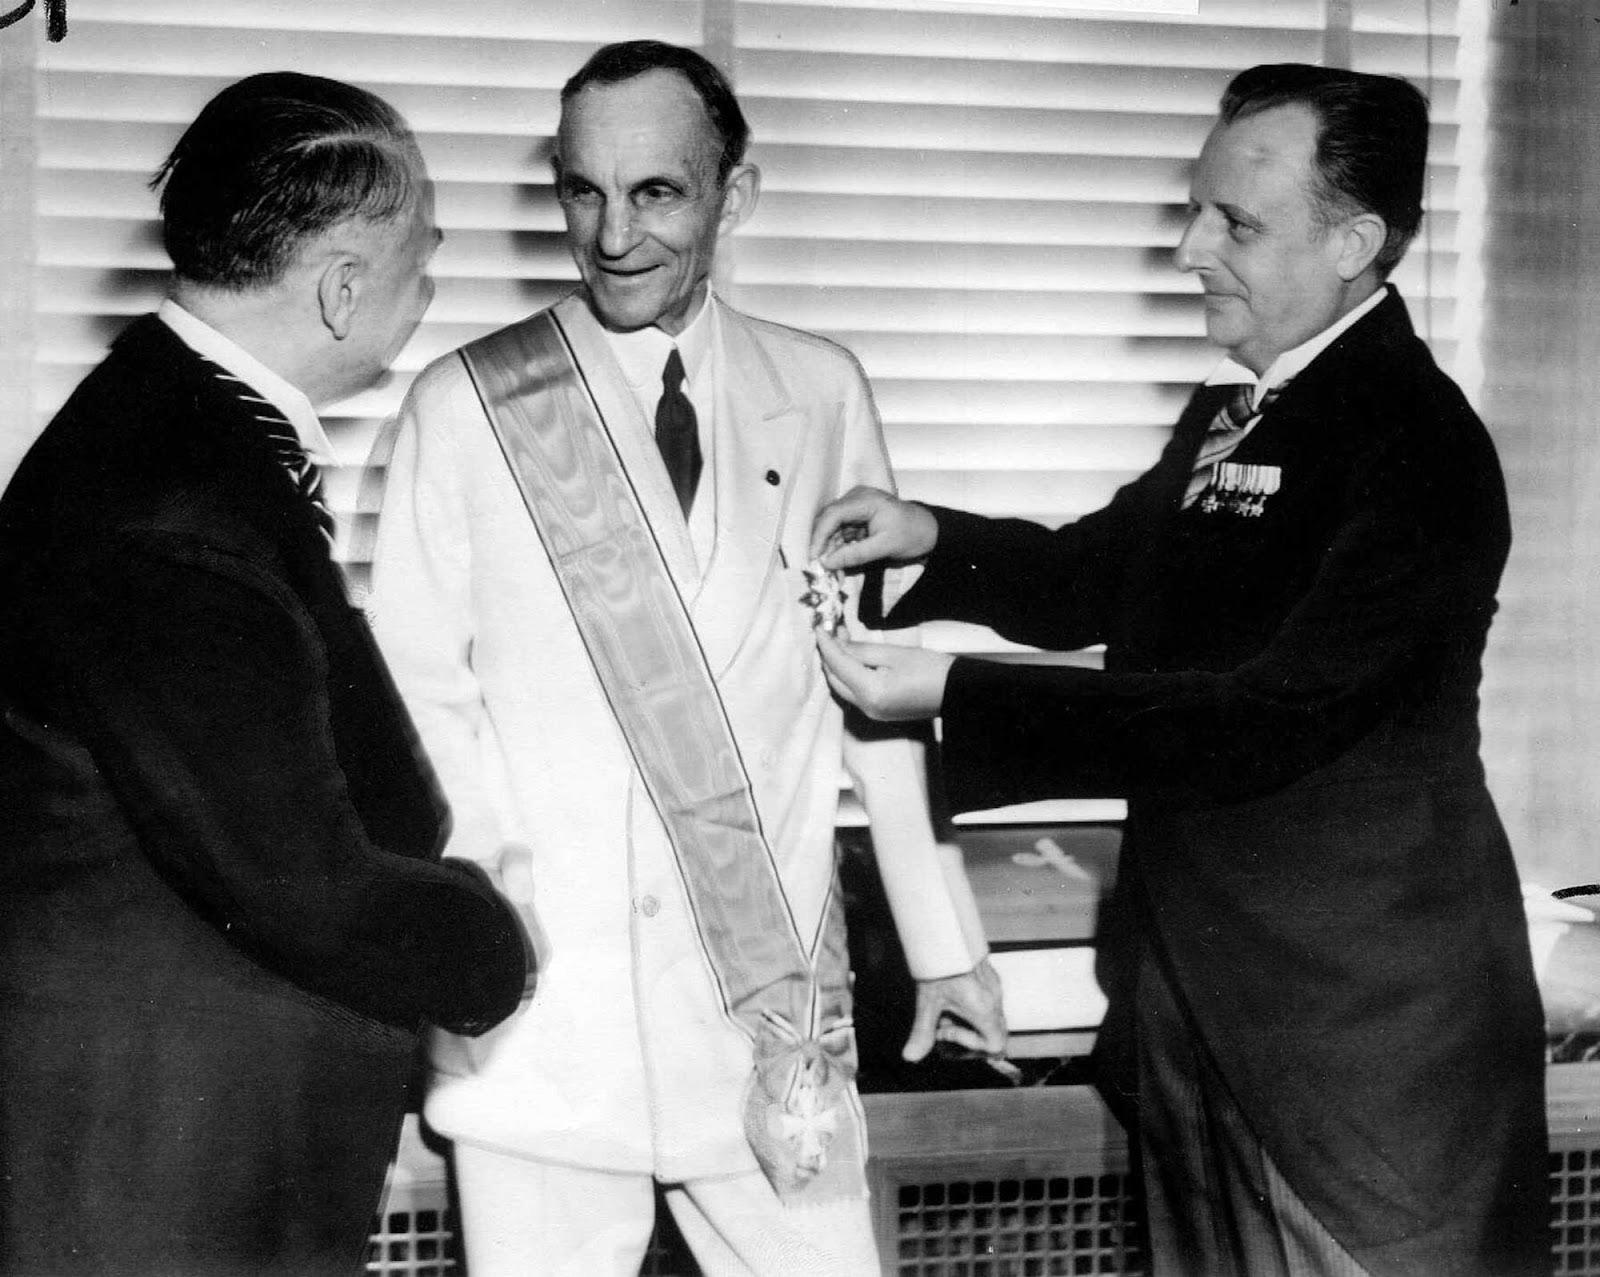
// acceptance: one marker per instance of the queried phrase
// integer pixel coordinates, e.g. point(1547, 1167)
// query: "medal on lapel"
point(825, 596)
point(1240, 489)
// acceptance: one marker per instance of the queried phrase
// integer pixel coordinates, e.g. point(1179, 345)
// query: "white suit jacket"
point(624, 1059)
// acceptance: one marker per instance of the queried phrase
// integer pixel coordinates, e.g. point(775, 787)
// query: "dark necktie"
point(1223, 435)
point(285, 446)
point(678, 433)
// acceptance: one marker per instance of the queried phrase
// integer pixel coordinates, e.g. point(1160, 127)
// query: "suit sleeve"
point(1050, 589)
point(421, 605)
point(204, 702)
point(1404, 590)
point(924, 879)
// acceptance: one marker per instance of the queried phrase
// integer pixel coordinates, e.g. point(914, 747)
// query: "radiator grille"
point(1020, 1227)
point(415, 1242)
point(1575, 1210)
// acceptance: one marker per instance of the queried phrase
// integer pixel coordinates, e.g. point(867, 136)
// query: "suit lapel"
point(759, 429)
point(269, 523)
point(1307, 423)
point(1148, 577)
point(1317, 409)
point(633, 438)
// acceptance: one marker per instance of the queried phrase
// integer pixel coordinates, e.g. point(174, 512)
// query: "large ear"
point(339, 287)
point(1361, 239)
point(740, 192)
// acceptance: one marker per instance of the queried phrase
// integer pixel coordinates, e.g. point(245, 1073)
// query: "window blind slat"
point(963, 128)
point(486, 21)
point(1304, 14)
point(1067, 40)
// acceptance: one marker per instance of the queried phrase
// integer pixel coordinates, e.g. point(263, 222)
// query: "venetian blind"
point(478, 82)
point(981, 204)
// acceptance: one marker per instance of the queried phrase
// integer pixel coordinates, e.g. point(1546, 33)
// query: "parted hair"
point(615, 63)
point(272, 161)
point(1372, 141)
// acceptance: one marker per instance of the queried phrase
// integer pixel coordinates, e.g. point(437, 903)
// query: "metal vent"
point(1075, 1224)
point(419, 1242)
point(1575, 1211)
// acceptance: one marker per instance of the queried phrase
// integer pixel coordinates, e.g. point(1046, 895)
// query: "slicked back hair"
point(272, 161)
point(1372, 142)
point(618, 62)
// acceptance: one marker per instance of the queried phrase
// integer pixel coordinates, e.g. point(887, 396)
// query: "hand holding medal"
point(867, 526)
point(825, 594)
point(888, 682)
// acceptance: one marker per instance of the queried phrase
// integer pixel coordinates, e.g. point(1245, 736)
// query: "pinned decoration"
point(1241, 489)
point(825, 597)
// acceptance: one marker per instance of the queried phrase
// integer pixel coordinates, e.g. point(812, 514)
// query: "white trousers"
point(526, 1218)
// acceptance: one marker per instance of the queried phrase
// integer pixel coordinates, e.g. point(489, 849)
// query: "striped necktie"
point(285, 446)
point(1225, 433)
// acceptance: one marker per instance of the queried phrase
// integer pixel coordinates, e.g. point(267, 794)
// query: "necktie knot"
point(678, 433)
point(1237, 409)
point(673, 376)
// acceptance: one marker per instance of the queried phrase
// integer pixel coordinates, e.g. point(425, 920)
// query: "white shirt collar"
point(1230, 372)
point(643, 352)
point(205, 340)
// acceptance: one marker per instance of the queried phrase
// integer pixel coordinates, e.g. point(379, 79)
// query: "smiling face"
point(637, 179)
point(1274, 275)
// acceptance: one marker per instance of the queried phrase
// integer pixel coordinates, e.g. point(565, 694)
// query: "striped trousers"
point(1216, 1205)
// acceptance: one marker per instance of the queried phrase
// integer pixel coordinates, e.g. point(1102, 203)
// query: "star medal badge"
point(825, 596)
point(825, 593)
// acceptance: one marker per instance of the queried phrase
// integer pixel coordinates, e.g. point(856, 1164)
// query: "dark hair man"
point(1321, 990)
point(224, 917)
point(588, 579)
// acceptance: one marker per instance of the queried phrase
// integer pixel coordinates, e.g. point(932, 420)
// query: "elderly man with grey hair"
point(590, 575)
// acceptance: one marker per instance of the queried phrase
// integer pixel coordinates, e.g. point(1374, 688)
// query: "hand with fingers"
point(885, 681)
point(962, 1010)
point(867, 526)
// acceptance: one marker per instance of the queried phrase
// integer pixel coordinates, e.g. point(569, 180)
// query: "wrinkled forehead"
point(649, 125)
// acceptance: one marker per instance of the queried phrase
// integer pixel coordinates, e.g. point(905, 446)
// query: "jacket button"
point(649, 906)
point(772, 477)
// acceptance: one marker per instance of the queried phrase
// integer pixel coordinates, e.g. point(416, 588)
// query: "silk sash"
point(792, 1000)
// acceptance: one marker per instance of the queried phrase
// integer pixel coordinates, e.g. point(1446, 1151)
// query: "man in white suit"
point(588, 582)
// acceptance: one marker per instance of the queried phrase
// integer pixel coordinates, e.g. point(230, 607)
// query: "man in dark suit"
point(224, 917)
point(1323, 1009)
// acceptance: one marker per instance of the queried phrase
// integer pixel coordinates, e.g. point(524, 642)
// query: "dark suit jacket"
point(1290, 707)
point(223, 917)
